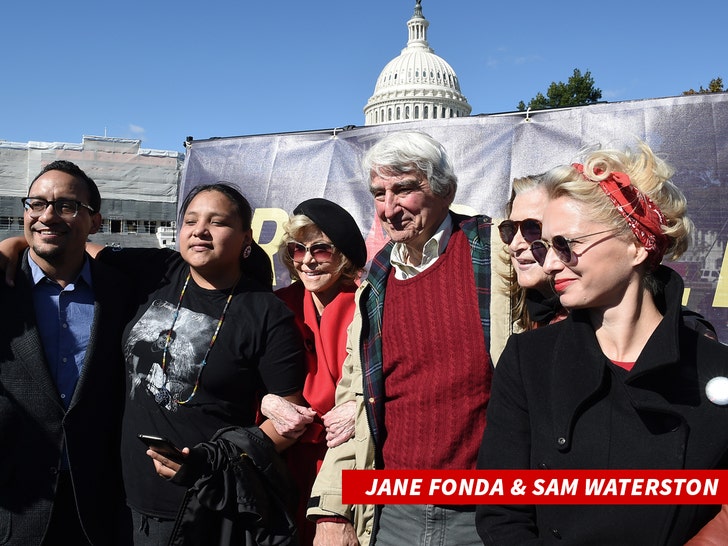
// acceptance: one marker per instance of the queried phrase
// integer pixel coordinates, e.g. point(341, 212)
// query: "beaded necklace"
point(163, 396)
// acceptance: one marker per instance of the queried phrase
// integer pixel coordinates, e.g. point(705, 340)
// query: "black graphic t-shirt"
point(257, 350)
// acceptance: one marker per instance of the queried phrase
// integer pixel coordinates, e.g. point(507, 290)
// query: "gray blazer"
point(34, 424)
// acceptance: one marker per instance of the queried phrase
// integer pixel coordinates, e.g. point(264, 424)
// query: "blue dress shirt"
point(64, 317)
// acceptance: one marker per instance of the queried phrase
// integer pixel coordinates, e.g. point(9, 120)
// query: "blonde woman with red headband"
point(621, 382)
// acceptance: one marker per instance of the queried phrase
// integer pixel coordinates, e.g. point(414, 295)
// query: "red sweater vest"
point(436, 368)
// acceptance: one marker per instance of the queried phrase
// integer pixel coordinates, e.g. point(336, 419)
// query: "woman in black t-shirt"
point(208, 339)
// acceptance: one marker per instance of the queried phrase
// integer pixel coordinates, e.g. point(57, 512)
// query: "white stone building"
point(417, 84)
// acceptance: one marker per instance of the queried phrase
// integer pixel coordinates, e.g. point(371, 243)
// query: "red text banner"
point(535, 487)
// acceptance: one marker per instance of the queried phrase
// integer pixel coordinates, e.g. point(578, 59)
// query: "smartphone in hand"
point(163, 446)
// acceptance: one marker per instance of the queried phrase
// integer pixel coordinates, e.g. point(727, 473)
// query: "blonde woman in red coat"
point(325, 253)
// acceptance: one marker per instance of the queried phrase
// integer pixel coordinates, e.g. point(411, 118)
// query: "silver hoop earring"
point(246, 252)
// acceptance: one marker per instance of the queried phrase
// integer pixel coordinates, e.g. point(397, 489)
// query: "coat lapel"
point(649, 385)
point(29, 347)
point(574, 363)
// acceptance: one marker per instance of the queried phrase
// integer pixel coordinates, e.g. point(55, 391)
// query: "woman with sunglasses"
point(621, 382)
point(325, 253)
point(533, 300)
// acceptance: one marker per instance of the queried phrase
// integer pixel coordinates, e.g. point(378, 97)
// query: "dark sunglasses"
point(562, 247)
point(321, 252)
point(530, 230)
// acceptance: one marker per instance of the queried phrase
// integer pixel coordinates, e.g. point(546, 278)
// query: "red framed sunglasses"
point(321, 252)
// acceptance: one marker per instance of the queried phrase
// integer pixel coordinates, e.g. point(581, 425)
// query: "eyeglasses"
point(530, 230)
point(65, 208)
point(321, 252)
point(562, 247)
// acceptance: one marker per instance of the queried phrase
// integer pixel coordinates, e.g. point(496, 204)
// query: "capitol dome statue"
point(417, 84)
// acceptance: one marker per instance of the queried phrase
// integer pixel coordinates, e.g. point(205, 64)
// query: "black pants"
point(150, 531)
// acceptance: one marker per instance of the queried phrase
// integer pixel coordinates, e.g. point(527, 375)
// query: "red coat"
point(325, 342)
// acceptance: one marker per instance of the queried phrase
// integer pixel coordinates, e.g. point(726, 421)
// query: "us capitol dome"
point(417, 84)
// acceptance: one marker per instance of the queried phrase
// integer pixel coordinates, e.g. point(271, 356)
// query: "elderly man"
point(61, 375)
point(418, 364)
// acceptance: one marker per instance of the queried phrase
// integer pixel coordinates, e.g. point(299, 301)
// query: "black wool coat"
point(240, 493)
point(558, 403)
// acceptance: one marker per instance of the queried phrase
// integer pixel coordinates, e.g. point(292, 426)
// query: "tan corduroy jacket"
point(356, 453)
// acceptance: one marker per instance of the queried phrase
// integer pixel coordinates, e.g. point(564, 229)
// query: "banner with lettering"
point(278, 171)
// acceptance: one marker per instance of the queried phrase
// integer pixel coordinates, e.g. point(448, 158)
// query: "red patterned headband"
point(642, 215)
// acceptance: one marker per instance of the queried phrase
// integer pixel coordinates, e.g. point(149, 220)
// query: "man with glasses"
point(419, 354)
point(61, 374)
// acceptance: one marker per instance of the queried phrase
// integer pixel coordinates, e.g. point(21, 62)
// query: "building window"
point(425, 112)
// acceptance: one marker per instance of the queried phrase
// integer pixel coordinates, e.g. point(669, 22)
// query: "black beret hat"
point(338, 225)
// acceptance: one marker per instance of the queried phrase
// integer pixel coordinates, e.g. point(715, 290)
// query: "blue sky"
point(160, 71)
